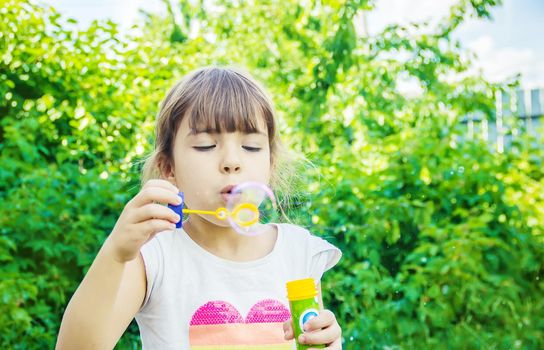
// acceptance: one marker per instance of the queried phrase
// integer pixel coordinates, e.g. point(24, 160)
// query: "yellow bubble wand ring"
point(243, 216)
point(223, 213)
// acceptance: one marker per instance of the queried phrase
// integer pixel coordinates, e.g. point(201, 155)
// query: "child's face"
point(205, 163)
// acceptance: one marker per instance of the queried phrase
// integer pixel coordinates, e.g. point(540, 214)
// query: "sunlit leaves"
point(442, 238)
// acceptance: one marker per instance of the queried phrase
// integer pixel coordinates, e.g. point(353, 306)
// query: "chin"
point(218, 222)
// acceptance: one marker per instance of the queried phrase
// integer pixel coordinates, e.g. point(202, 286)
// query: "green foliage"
point(442, 236)
point(438, 248)
point(66, 134)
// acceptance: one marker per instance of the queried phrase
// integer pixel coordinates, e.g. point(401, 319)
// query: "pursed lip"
point(227, 189)
point(226, 193)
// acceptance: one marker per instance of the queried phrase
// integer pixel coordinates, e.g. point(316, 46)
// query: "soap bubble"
point(251, 205)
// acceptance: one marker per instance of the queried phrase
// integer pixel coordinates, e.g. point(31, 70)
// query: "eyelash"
point(204, 148)
point(208, 148)
point(251, 149)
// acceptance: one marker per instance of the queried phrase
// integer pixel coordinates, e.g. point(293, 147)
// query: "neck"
point(226, 243)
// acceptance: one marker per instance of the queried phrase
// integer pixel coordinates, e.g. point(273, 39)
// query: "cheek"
point(193, 176)
point(264, 170)
point(184, 176)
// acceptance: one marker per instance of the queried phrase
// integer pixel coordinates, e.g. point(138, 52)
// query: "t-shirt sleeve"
point(323, 256)
point(154, 267)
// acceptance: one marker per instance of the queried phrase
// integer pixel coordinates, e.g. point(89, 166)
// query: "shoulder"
point(301, 239)
point(303, 248)
point(156, 255)
point(298, 234)
point(159, 249)
point(298, 231)
point(163, 241)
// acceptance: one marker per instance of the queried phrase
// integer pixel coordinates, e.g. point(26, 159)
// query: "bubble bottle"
point(302, 295)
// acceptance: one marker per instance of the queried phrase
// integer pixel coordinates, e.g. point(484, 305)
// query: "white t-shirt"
point(196, 300)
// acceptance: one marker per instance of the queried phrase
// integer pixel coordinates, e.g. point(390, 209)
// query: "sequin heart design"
point(221, 312)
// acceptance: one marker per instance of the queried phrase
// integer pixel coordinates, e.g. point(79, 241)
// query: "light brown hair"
point(218, 99)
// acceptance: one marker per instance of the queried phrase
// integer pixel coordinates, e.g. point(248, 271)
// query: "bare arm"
point(114, 288)
point(104, 304)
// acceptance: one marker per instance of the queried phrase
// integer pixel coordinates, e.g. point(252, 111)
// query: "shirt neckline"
point(199, 250)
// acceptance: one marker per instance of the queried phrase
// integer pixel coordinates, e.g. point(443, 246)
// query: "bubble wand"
point(252, 195)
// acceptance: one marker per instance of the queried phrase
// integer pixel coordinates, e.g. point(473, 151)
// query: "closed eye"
point(204, 148)
point(251, 149)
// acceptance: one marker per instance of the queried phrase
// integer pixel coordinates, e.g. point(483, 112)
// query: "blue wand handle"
point(178, 209)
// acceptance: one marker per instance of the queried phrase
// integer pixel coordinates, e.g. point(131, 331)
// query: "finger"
point(161, 183)
point(323, 320)
point(152, 194)
point(287, 325)
point(323, 336)
point(335, 345)
point(155, 226)
point(288, 330)
point(154, 211)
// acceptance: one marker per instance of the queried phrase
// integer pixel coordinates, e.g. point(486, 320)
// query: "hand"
point(142, 218)
point(322, 329)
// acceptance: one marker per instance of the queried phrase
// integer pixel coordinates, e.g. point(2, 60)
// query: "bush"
point(442, 236)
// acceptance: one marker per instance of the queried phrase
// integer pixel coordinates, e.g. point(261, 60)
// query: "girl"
point(202, 285)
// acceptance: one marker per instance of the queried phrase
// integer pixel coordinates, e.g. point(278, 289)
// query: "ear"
point(166, 169)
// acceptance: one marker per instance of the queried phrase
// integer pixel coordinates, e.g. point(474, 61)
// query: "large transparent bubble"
point(251, 207)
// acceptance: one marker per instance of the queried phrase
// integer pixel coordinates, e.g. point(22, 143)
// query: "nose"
point(231, 168)
point(230, 163)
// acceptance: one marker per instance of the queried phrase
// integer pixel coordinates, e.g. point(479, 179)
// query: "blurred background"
point(422, 119)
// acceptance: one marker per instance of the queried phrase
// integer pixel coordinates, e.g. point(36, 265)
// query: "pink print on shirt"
point(218, 312)
point(219, 324)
